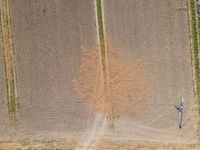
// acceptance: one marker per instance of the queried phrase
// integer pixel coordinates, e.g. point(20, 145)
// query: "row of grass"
point(101, 31)
point(194, 34)
point(7, 47)
point(198, 10)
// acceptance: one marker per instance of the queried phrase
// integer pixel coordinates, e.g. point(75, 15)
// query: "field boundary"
point(198, 18)
point(194, 46)
point(9, 62)
point(100, 31)
point(103, 55)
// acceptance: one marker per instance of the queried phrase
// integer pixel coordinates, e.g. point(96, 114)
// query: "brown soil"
point(121, 92)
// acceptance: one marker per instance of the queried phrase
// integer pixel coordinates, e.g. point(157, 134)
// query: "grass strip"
point(7, 46)
point(194, 38)
point(198, 13)
point(104, 56)
point(101, 32)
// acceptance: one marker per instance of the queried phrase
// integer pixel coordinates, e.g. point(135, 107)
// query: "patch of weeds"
point(198, 8)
